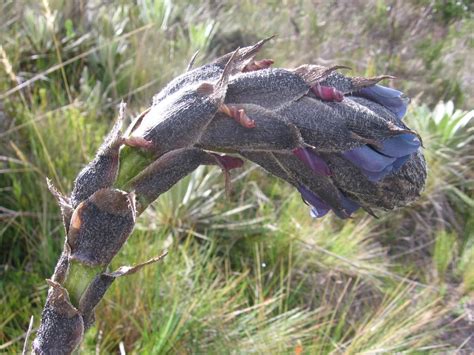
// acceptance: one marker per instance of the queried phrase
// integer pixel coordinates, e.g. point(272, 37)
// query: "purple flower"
point(399, 162)
point(312, 160)
point(393, 100)
point(368, 159)
point(376, 163)
point(319, 208)
point(349, 206)
point(399, 146)
point(375, 176)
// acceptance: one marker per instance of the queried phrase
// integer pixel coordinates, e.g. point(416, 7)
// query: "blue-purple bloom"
point(312, 160)
point(368, 159)
point(375, 160)
point(399, 162)
point(375, 163)
point(349, 206)
point(319, 208)
point(399, 146)
point(393, 100)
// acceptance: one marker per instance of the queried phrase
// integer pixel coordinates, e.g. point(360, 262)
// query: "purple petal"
point(349, 205)
point(399, 162)
point(399, 146)
point(314, 161)
point(318, 207)
point(341, 214)
point(318, 212)
point(375, 176)
point(368, 159)
point(391, 99)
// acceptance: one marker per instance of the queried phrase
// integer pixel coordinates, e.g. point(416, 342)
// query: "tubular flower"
point(318, 207)
point(313, 161)
point(392, 99)
point(376, 163)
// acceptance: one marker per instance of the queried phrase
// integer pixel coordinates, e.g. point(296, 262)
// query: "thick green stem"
point(79, 278)
point(132, 162)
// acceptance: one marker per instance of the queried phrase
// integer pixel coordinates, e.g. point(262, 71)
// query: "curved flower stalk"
point(339, 140)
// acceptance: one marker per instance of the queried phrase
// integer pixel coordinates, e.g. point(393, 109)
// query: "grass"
point(251, 272)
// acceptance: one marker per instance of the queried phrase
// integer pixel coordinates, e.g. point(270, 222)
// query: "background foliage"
point(251, 272)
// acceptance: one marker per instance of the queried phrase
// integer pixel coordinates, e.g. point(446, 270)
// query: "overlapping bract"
point(339, 140)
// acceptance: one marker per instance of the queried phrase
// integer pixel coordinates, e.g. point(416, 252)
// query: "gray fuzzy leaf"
point(100, 225)
point(62, 327)
point(102, 171)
